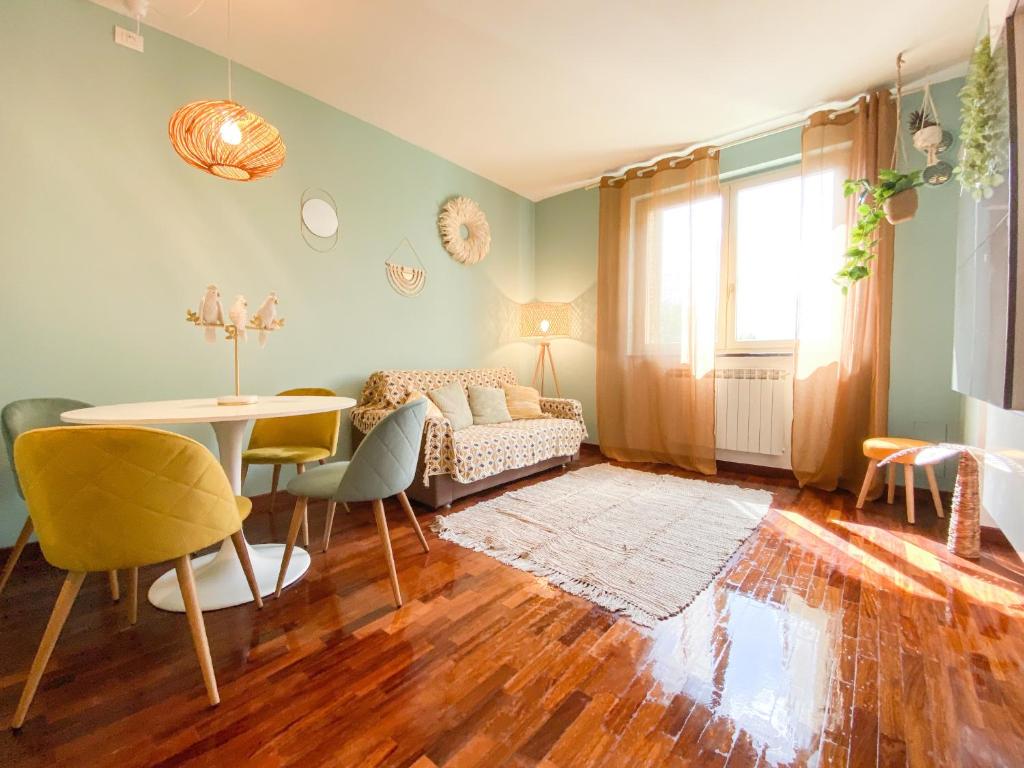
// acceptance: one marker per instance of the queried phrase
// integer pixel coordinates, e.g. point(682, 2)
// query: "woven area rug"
point(638, 543)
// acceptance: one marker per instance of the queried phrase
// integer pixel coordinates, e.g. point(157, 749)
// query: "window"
point(679, 240)
point(739, 254)
point(766, 220)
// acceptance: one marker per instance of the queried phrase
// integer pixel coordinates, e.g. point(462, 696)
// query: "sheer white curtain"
point(658, 275)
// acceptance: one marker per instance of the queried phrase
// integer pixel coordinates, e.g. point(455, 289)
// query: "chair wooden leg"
point(245, 471)
point(299, 469)
point(328, 523)
point(133, 595)
point(404, 501)
point(12, 559)
point(115, 587)
point(929, 472)
point(243, 557)
point(293, 531)
point(385, 539)
point(61, 609)
point(869, 478)
point(322, 462)
point(273, 486)
point(891, 476)
point(186, 581)
point(908, 489)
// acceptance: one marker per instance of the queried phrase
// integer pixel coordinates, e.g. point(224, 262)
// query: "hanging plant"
point(983, 127)
point(894, 198)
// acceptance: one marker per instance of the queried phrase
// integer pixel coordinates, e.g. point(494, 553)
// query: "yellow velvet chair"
point(106, 498)
point(297, 440)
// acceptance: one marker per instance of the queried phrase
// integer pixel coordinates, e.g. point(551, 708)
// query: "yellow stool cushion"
point(879, 448)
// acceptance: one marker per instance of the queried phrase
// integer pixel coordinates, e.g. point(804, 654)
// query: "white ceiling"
point(543, 95)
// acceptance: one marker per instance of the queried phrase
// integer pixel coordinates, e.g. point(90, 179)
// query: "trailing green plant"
point(983, 124)
point(870, 212)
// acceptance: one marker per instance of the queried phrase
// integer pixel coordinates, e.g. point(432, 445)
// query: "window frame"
point(727, 341)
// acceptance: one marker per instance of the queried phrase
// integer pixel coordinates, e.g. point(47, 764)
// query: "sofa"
point(454, 464)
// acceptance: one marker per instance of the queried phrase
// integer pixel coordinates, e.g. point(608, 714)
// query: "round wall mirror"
point(318, 217)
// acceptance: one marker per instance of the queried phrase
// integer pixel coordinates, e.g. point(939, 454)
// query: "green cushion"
point(451, 399)
point(319, 482)
point(488, 405)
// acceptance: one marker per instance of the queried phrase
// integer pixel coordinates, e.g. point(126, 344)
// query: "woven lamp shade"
point(541, 319)
point(203, 133)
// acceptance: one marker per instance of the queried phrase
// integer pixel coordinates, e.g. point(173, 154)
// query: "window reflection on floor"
point(765, 667)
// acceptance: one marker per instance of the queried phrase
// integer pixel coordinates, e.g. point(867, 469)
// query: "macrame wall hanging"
point(406, 280)
point(464, 230)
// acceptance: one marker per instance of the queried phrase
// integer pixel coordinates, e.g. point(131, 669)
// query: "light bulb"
point(545, 326)
point(230, 133)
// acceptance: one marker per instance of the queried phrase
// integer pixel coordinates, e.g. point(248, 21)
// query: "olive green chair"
point(106, 498)
point(297, 440)
point(383, 465)
point(21, 416)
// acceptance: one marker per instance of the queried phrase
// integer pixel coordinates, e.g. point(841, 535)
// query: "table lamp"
point(545, 321)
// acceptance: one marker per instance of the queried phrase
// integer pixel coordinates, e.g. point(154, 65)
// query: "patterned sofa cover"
point(474, 455)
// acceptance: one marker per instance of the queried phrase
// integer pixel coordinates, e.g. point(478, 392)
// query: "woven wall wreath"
point(458, 213)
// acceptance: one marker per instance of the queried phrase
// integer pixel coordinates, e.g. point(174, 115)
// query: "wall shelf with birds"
point(211, 316)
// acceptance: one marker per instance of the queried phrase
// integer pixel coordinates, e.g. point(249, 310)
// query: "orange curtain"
point(841, 386)
point(659, 254)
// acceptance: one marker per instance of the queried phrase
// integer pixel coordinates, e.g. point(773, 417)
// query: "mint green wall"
point(566, 270)
point(921, 402)
point(107, 236)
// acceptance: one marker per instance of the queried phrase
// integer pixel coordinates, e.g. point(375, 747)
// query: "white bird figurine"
point(267, 317)
point(239, 315)
point(211, 312)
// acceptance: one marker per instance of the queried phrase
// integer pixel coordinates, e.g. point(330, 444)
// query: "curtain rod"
point(725, 142)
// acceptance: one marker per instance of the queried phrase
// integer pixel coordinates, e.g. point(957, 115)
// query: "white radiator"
point(751, 410)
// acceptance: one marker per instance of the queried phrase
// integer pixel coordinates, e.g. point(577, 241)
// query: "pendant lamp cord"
point(229, 50)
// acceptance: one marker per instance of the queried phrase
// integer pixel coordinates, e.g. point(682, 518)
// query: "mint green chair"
point(383, 465)
point(22, 416)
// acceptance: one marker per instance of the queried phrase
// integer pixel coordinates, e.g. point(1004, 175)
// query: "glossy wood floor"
point(834, 637)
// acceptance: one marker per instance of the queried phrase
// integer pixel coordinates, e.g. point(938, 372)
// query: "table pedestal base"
point(220, 581)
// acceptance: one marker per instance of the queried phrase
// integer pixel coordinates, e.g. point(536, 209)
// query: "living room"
point(511, 384)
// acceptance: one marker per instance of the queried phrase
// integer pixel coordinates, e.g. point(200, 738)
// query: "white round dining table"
point(220, 581)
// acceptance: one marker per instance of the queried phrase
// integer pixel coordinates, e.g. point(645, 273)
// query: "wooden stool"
point(878, 448)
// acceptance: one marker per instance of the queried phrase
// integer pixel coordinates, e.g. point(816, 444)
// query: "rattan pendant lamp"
point(224, 138)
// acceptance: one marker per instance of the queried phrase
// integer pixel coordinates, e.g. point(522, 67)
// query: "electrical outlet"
point(129, 39)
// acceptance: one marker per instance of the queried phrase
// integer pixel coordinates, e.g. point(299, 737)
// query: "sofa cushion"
point(451, 399)
point(523, 402)
point(432, 410)
point(488, 405)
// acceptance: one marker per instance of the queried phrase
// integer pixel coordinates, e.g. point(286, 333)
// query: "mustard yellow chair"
point(106, 498)
point(297, 440)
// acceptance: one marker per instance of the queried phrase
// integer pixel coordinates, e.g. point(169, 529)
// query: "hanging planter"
point(901, 207)
point(893, 198)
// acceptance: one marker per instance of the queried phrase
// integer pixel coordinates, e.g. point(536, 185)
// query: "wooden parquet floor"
point(833, 637)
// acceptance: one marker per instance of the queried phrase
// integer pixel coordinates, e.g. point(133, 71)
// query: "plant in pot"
point(894, 198)
point(925, 131)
